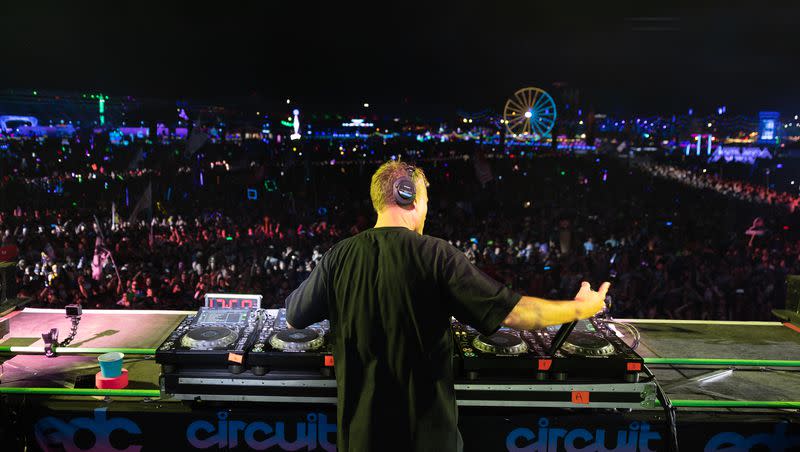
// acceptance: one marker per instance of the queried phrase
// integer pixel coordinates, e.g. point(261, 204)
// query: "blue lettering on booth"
point(310, 435)
point(637, 437)
point(53, 433)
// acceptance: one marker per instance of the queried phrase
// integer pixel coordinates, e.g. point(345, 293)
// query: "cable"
point(669, 412)
point(72, 333)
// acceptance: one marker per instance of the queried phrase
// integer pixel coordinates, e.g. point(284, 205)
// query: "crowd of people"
point(161, 236)
point(736, 188)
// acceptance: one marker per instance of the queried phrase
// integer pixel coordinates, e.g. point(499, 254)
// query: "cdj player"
point(213, 338)
point(277, 347)
point(591, 352)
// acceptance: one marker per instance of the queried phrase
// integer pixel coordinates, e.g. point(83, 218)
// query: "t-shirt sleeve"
point(476, 299)
point(308, 304)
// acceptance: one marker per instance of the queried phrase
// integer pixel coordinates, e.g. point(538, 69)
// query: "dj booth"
point(732, 386)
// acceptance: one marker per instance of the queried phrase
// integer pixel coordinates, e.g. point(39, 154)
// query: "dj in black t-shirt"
point(389, 293)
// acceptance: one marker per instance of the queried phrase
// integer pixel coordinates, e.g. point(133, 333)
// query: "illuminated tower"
point(296, 125)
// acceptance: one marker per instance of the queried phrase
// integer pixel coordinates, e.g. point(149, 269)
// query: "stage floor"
point(716, 339)
point(659, 338)
point(98, 328)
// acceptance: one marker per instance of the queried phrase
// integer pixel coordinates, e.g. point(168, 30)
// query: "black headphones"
point(404, 189)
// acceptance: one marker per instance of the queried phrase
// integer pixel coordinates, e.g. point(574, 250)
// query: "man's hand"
point(591, 302)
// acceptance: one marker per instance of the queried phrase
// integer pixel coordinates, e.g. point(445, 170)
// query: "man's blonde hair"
point(381, 189)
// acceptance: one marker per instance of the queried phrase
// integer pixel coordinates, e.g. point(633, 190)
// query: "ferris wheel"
point(530, 112)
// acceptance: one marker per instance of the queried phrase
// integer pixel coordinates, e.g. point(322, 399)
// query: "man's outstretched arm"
point(535, 313)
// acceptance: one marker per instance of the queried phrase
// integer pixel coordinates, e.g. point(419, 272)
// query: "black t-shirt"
point(389, 294)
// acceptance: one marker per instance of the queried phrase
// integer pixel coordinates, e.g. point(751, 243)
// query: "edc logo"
point(260, 435)
point(775, 441)
point(53, 433)
point(636, 438)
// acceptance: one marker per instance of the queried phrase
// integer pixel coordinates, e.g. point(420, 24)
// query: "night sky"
point(622, 58)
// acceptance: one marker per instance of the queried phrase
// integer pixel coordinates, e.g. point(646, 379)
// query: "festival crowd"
point(160, 234)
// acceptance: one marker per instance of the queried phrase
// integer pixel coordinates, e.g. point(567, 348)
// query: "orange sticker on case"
point(580, 397)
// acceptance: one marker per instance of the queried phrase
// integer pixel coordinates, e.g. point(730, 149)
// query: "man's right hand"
point(591, 302)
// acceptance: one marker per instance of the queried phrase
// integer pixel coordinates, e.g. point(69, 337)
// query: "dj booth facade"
point(555, 417)
point(52, 425)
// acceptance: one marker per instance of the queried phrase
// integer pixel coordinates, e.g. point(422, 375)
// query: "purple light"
point(201, 179)
point(780, 165)
point(139, 132)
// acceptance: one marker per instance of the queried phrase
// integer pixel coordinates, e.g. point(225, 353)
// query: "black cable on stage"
point(669, 410)
point(671, 419)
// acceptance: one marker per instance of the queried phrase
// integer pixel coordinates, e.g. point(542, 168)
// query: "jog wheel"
point(297, 340)
point(587, 344)
point(209, 338)
point(501, 343)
